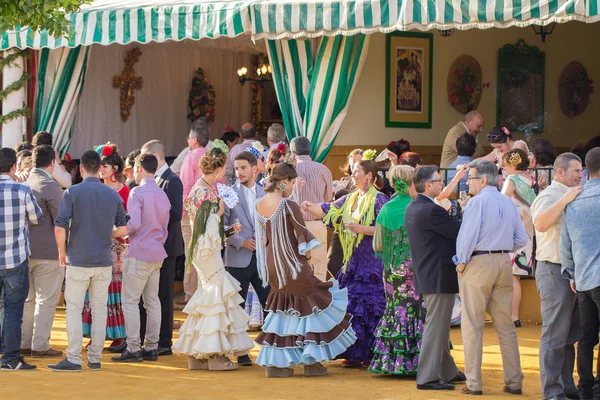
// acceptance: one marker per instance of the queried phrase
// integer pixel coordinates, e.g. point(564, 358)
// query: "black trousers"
point(165, 294)
point(247, 276)
point(589, 312)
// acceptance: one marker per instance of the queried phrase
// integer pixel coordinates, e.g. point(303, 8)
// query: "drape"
point(161, 105)
point(314, 91)
point(61, 75)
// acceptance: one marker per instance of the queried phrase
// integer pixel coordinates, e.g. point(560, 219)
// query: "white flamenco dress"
point(216, 324)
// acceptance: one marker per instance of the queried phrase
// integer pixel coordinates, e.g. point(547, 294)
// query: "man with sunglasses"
point(491, 229)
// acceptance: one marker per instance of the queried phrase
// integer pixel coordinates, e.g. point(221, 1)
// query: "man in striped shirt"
point(17, 205)
point(317, 188)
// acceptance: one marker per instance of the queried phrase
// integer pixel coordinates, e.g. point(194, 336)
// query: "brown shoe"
point(274, 372)
point(512, 391)
point(47, 353)
point(221, 363)
point(466, 390)
point(315, 370)
point(26, 352)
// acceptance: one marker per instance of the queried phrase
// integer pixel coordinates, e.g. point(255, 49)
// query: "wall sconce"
point(263, 74)
point(544, 31)
point(446, 32)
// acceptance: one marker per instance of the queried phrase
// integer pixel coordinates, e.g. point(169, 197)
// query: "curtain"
point(161, 105)
point(314, 91)
point(61, 74)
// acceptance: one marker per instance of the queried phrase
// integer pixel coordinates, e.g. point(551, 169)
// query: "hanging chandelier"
point(263, 74)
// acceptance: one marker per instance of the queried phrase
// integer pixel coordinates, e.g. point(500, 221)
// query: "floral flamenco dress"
point(307, 321)
point(216, 325)
point(115, 319)
point(362, 271)
point(398, 335)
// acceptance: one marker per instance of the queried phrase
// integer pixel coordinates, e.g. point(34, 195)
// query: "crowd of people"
point(252, 224)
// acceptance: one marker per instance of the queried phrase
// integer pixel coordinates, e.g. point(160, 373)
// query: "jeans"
point(589, 307)
point(15, 284)
point(247, 276)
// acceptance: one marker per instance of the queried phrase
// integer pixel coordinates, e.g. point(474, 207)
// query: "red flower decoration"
point(67, 158)
point(281, 148)
point(107, 151)
point(228, 128)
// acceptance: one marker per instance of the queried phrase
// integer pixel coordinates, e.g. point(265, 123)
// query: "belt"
point(487, 252)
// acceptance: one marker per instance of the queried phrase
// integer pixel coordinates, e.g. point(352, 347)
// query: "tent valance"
point(276, 19)
point(142, 21)
point(106, 22)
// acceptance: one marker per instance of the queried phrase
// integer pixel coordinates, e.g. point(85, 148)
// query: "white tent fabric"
point(161, 106)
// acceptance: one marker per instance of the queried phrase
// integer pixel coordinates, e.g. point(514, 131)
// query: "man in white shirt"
point(560, 314)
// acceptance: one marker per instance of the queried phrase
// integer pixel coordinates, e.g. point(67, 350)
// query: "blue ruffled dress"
point(307, 321)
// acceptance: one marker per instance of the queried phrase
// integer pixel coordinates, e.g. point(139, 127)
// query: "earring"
point(281, 186)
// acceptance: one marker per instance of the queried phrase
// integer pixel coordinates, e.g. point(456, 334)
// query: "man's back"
point(580, 227)
point(48, 194)
point(92, 209)
point(190, 170)
point(318, 187)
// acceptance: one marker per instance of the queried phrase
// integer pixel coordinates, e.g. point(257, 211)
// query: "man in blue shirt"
point(94, 214)
point(580, 259)
point(490, 230)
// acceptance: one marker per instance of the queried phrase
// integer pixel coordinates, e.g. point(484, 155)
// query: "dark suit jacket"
point(172, 186)
point(432, 236)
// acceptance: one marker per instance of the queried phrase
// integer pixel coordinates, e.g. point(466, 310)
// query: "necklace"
point(209, 186)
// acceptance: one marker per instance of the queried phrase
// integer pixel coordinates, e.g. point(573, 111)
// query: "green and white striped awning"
point(120, 21)
point(276, 19)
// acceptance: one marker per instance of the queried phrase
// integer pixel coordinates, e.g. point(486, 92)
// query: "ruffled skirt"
point(216, 324)
point(289, 339)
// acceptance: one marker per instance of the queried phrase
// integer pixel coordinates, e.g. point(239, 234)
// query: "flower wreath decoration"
point(201, 100)
point(369, 155)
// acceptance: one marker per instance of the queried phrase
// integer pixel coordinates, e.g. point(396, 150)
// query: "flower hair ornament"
point(254, 151)
point(228, 128)
point(219, 144)
point(281, 147)
point(400, 186)
point(505, 130)
point(369, 155)
point(281, 187)
point(104, 149)
point(67, 157)
point(515, 159)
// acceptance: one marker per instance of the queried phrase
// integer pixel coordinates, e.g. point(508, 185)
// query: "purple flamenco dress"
point(363, 279)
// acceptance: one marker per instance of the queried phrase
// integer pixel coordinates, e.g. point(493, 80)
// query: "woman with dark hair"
point(111, 173)
point(345, 183)
point(307, 322)
point(542, 155)
point(353, 217)
point(521, 187)
point(411, 158)
point(502, 141)
point(215, 327)
point(231, 138)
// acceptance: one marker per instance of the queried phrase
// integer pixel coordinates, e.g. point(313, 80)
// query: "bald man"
point(472, 124)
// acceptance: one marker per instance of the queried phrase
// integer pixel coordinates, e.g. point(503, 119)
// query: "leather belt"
point(487, 252)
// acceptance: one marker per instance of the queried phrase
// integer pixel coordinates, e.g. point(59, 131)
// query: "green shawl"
point(206, 208)
point(364, 215)
point(388, 243)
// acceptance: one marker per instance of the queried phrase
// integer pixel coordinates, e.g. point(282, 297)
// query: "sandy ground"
point(169, 378)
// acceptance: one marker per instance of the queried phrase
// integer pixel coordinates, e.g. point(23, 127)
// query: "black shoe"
point(126, 356)
point(459, 378)
point(164, 351)
point(118, 349)
point(244, 361)
point(17, 365)
point(436, 385)
point(512, 391)
point(150, 355)
point(94, 366)
point(517, 323)
point(65, 366)
point(574, 394)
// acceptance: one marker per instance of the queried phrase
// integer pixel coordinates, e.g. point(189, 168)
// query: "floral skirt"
point(115, 320)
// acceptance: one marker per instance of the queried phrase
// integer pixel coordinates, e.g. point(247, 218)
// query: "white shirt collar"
point(466, 129)
point(159, 172)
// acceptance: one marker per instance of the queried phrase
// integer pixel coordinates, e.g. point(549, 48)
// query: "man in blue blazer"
point(432, 234)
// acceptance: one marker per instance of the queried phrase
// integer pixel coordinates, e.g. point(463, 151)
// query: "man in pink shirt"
point(148, 208)
point(318, 188)
point(190, 173)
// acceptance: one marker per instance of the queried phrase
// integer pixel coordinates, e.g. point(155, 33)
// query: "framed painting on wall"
point(408, 79)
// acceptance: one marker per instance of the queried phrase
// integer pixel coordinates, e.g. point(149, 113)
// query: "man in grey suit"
point(45, 273)
point(240, 249)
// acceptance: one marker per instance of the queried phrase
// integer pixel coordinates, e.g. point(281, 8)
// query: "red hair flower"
point(506, 131)
point(281, 148)
point(67, 158)
point(228, 128)
point(107, 151)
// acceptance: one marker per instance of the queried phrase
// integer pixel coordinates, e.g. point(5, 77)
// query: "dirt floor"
point(169, 378)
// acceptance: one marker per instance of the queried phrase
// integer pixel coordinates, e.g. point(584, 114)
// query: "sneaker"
point(16, 365)
point(127, 356)
point(94, 366)
point(150, 355)
point(47, 353)
point(65, 366)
